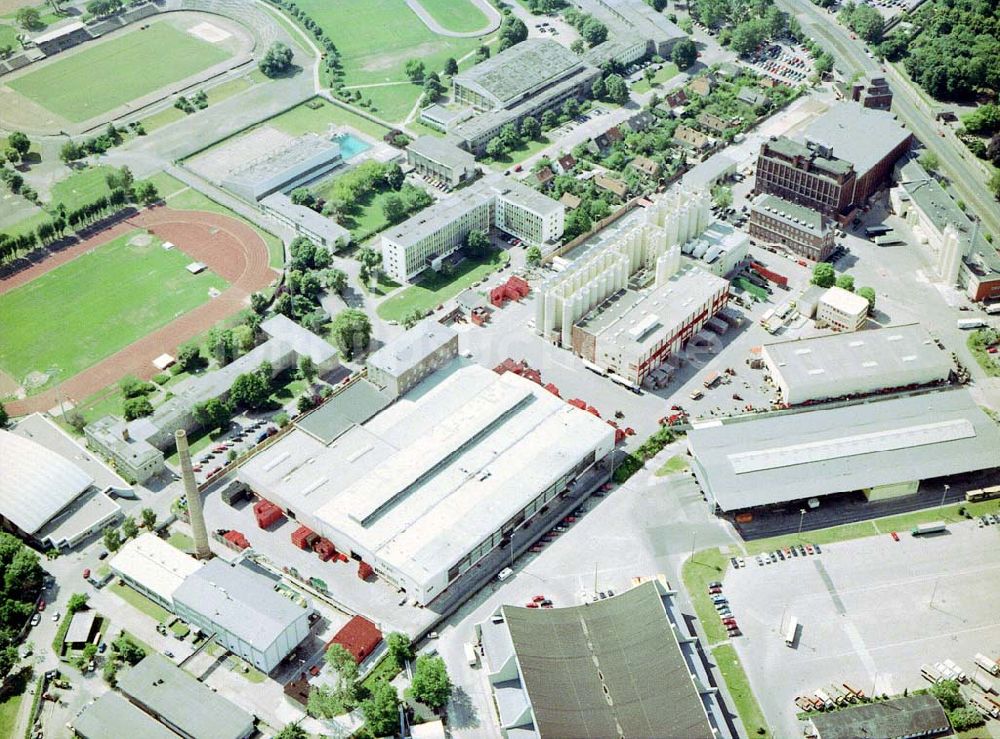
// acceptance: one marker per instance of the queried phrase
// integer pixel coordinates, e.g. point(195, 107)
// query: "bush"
point(965, 718)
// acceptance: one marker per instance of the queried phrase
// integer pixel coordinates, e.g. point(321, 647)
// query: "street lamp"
point(802, 516)
point(945, 493)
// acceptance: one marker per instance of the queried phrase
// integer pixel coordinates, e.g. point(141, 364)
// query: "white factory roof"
point(158, 566)
point(845, 301)
point(239, 601)
point(36, 483)
point(435, 473)
point(411, 347)
point(889, 354)
point(302, 341)
point(763, 460)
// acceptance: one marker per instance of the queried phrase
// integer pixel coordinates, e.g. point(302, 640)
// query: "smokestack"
point(197, 515)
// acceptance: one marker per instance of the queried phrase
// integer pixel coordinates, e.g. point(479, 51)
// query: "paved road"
point(966, 175)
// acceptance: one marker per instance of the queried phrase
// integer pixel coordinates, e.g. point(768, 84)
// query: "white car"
point(55, 616)
point(505, 573)
point(36, 619)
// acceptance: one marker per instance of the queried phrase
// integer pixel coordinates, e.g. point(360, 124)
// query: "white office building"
point(841, 310)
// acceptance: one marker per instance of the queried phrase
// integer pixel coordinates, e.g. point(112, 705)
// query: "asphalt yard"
point(871, 612)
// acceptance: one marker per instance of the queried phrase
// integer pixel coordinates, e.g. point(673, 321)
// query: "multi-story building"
point(136, 458)
point(441, 160)
point(635, 20)
point(870, 92)
point(802, 231)
point(841, 310)
point(405, 361)
point(807, 174)
point(426, 239)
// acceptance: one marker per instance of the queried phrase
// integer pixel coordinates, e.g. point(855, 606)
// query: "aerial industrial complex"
point(499, 369)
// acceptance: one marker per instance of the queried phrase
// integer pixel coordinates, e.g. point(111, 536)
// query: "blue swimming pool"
point(350, 145)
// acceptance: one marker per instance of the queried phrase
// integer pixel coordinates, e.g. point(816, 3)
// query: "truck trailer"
point(928, 528)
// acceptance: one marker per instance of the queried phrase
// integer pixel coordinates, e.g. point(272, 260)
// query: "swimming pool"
point(350, 145)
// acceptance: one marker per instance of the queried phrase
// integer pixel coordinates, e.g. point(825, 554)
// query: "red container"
point(365, 570)
point(553, 389)
point(303, 537)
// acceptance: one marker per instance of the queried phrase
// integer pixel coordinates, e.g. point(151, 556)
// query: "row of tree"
point(591, 30)
point(332, 64)
point(825, 276)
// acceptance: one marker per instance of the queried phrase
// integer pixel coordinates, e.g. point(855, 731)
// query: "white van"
point(471, 655)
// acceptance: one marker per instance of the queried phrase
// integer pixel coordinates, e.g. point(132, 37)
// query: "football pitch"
point(103, 75)
point(96, 304)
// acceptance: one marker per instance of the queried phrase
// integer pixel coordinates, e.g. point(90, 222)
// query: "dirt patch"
point(141, 240)
point(9, 387)
point(209, 32)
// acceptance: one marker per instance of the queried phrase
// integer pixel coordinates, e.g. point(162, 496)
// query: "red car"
point(894, 535)
point(538, 598)
point(41, 604)
point(86, 573)
point(532, 604)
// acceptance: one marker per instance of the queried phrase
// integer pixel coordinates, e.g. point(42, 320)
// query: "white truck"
point(962, 677)
point(984, 685)
point(987, 664)
point(970, 323)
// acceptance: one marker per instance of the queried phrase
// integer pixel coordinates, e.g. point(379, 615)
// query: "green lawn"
point(667, 72)
point(518, 155)
point(977, 342)
point(385, 670)
point(316, 115)
point(141, 603)
point(698, 571)
point(460, 16)
point(739, 688)
point(677, 463)
point(436, 287)
point(166, 184)
point(393, 102)
point(368, 219)
point(106, 74)
point(8, 712)
point(163, 118)
point(8, 36)
point(81, 187)
point(182, 541)
point(377, 37)
point(92, 306)
point(180, 629)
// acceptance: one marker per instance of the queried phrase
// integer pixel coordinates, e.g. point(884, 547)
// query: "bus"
point(989, 493)
point(791, 632)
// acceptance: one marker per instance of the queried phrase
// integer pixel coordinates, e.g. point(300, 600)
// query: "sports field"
point(103, 75)
point(460, 16)
point(96, 304)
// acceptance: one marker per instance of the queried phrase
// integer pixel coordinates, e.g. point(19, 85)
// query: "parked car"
point(36, 619)
point(55, 616)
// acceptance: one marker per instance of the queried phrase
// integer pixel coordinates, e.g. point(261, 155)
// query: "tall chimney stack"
point(195, 511)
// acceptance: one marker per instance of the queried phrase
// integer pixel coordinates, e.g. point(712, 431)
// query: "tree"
point(722, 197)
point(845, 282)
point(19, 143)
point(450, 67)
point(250, 390)
point(983, 120)
point(130, 529)
point(324, 702)
point(593, 31)
point(414, 70)
point(865, 20)
point(431, 684)
point(8, 658)
point(577, 222)
point(823, 275)
point(112, 539)
point(747, 36)
point(533, 256)
point(684, 53)
point(929, 161)
point(3, 416)
point(948, 694)
point(70, 152)
point(371, 262)
point(477, 243)
point(345, 666)
point(276, 61)
point(965, 718)
point(400, 648)
point(393, 208)
point(868, 293)
point(335, 280)
point(307, 369)
point(22, 576)
point(303, 196)
point(577, 47)
point(351, 331)
point(189, 357)
point(993, 183)
point(148, 518)
point(495, 148)
point(823, 63)
point(146, 193)
point(617, 90)
point(128, 650)
point(212, 414)
point(137, 408)
point(76, 602)
point(393, 176)
point(29, 19)
point(292, 731)
point(411, 318)
point(530, 128)
point(381, 709)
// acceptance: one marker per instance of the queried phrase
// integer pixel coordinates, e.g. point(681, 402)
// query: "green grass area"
point(978, 342)
point(162, 118)
point(316, 115)
point(393, 102)
point(677, 463)
point(182, 541)
point(166, 184)
point(422, 128)
point(666, 73)
point(8, 36)
point(385, 670)
point(245, 670)
point(140, 603)
point(518, 155)
point(82, 187)
point(460, 16)
point(94, 305)
point(368, 218)
point(197, 442)
point(739, 688)
point(377, 37)
point(180, 629)
point(102, 403)
point(109, 73)
point(436, 287)
point(190, 199)
point(698, 571)
point(383, 286)
point(137, 641)
point(10, 707)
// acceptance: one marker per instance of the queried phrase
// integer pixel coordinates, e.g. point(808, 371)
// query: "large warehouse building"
point(883, 448)
point(844, 365)
point(619, 667)
point(439, 479)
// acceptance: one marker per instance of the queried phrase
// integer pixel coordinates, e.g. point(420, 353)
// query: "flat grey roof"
point(442, 151)
point(610, 668)
point(520, 69)
point(411, 347)
point(112, 717)
point(306, 218)
point(240, 601)
point(183, 701)
point(81, 626)
point(298, 151)
point(302, 341)
point(775, 458)
point(862, 136)
point(888, 354)
point(520, 194)
point(786, 147)
point(915, 715)
point(791, 213)
point(354, 405)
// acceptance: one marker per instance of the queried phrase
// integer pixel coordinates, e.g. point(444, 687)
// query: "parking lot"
point(871, 612)
point(789, 65)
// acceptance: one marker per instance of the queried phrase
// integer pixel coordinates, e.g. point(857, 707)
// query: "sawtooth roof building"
point(426, 488)
point(861, 363)
point(881, 447)
point(625, 666)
